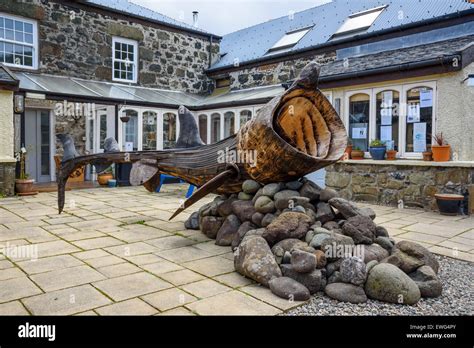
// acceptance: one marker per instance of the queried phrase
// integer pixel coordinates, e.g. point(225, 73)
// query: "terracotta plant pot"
point(391, 155)
point(449, 204)
point(348, 151)
point(441, 153)
point(427, 156)
point(24, 185)
point(104, 178)
point(357, 154)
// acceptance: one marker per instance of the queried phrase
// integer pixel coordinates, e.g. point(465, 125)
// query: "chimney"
point(195, 18)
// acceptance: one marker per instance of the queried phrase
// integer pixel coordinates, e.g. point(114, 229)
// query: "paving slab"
point(232, 303)
point(133, 285)
point(205, 288)
point(134, 306)
point(16, 288)
point(66, 302)
point(168, 299)
point(65, 278)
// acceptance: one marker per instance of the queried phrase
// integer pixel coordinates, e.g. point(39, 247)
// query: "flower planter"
point(427, 156)
point(441, 153)
point(377, 153)
point(347, 152)
point(104, 178)
point(391, 155)
point(357, 154)
point(449, 204)
point(24, 186)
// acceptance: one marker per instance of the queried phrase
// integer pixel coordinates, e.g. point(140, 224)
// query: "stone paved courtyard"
point(113, 252)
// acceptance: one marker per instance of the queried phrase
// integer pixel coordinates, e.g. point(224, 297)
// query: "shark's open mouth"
point(300, 123)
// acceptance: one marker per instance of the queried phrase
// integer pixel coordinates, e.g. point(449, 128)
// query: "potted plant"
point(348, 151)
point(377, 149)
point(449, 204)
point(391, 155)
point(104, 176)
point(427, 156)
point(23, 184)
point(441, 149)
point(357, 153)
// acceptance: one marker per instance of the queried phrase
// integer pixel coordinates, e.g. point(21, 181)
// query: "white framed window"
point(124, 60)
point(359, 22)
point(289, 40)
point(18, 42)
point(402, 115)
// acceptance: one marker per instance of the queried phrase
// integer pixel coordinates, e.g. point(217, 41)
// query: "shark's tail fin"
point(188, 129)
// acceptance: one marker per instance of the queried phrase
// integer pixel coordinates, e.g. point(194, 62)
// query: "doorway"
point(38, 144)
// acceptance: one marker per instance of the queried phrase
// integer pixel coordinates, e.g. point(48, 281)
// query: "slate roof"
point(7, 77)
point(130, 8)
point(396, 57)
point(252, 44)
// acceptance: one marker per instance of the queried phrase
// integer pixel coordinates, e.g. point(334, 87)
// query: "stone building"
point(400, 71)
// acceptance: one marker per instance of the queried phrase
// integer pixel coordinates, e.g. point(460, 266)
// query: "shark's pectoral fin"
point(207, 188)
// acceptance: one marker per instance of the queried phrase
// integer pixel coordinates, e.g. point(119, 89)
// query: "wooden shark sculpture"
point(296, 133)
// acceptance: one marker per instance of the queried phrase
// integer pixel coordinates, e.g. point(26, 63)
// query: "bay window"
point(149, 130)
point(215, 127)
point(387, 117)
point(245, 116)
point(202, 121)
point(359, 115)
point(169, 130)
point(402, 116)
point(229, 124)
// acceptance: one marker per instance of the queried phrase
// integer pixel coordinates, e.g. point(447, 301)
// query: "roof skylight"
point(358, 22)
point(289, 40)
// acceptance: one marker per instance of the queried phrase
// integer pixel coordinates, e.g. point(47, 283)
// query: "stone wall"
point(78, 43)
point(416, 185)
point(270, 74)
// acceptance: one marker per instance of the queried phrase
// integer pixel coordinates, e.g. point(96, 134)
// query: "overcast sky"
point(225, 16)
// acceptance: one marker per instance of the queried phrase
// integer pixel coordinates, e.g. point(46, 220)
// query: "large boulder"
point(388, 283)
point(228, 230)
point(288, 245)
point(419, 252)
point(268, 219)
point(337, 246)
point(345, 292)
point(264, 205)
point(353, 271)
point(326, 194)
point(314, 281)
point(192, 223)
point(427, 281)
point(318, 240)
point(241, 232)
point(289, 289)
point(373, 252)
point(293, 185)
point(283, 197)
point(348, 209)
point(271, 189)
point(250, 186)
point(210, 225)
point(255, 260)
point(310, 190)
point(324, 212)
point(225, 208)
point(302, 261)
point(287, 225)
point(243, 209)
point(360, 228)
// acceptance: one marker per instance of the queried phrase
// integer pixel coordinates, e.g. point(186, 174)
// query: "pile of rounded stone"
point(297, 239)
